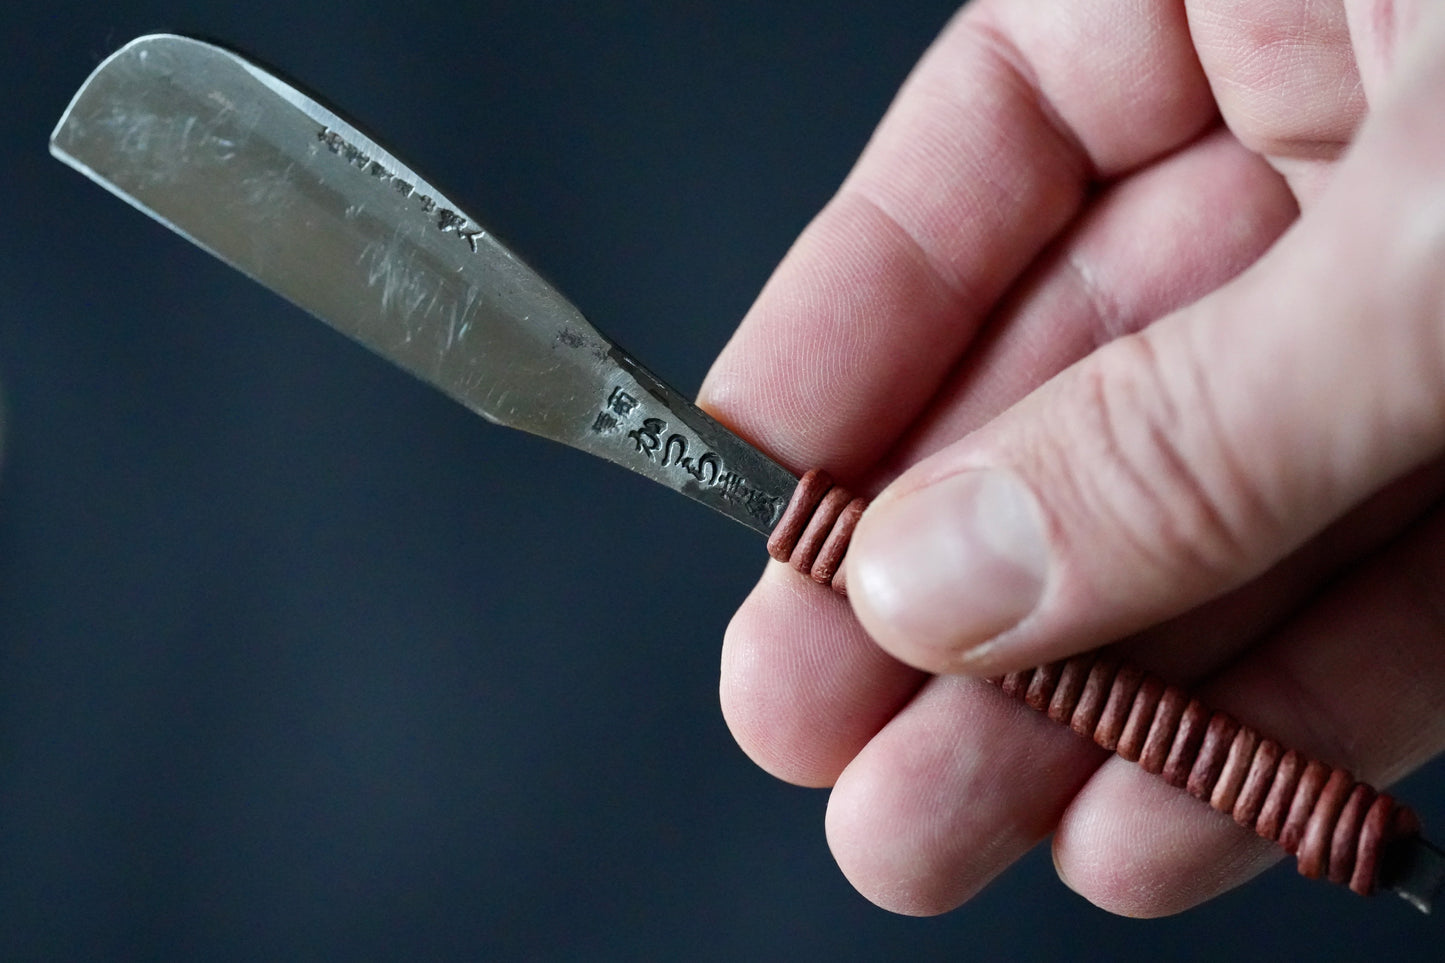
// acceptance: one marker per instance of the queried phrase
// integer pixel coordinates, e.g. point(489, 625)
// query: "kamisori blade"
point(284, 190)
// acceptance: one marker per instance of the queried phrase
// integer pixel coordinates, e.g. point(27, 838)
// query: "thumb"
point(1178, 463)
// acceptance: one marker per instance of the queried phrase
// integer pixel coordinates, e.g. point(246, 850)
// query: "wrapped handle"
point(1336, 827)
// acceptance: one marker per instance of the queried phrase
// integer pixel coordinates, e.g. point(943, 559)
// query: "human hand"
point(1242, 490)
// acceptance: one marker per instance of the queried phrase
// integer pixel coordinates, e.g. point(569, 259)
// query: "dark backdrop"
point(298, 659)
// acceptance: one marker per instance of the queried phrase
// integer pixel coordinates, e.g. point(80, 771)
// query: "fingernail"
point(949, 566)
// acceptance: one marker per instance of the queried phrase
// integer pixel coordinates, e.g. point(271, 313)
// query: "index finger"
point(987, 153)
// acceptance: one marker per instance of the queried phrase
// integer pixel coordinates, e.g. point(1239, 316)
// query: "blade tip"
point(138, 47)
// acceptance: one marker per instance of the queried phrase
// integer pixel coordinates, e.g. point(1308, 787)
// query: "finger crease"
point(1006, 53)
point(960, 292)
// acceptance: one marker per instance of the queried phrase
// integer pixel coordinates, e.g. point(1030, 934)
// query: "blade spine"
point(331, 120)
point(287, 91)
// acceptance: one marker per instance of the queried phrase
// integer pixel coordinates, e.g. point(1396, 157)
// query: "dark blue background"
point(299, 659)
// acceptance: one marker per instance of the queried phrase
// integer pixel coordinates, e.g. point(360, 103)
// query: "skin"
point(1162, 284)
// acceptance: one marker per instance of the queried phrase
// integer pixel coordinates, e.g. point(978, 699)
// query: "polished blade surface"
point(284, 190)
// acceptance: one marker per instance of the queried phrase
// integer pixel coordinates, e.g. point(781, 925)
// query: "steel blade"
point(286, 191)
